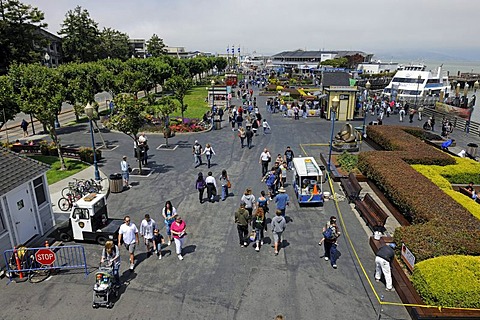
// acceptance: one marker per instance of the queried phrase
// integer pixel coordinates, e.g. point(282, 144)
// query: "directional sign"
point(45, 256)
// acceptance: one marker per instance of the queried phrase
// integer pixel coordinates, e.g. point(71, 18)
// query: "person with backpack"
point(330, 234)
point(259, 224)
point(197, 153)
point(200, 185)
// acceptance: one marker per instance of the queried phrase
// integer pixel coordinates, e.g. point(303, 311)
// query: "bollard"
point(17, 261)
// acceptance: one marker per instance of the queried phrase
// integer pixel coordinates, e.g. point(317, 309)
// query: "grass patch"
point(195, 99)
point(55, 174)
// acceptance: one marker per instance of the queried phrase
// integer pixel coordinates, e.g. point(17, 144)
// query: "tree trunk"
point(77, 116)
point(54, 136)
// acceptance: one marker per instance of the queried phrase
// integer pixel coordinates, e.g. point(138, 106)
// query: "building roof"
point(315, 54)
point(336, 79)
point(15, 170)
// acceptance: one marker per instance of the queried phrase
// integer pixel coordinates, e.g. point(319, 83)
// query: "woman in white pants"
point(178, 229)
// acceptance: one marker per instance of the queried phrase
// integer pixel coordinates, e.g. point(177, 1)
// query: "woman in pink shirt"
point(178, 229)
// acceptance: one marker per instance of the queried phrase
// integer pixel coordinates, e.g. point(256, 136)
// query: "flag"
point(238, 49)
point(228, 47)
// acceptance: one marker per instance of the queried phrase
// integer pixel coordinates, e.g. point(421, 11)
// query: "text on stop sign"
point(45, 256)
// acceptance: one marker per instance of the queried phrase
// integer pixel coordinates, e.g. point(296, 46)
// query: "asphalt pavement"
point(218, 279)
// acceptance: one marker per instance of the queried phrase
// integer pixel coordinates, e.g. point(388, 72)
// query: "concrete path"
point(218, 279)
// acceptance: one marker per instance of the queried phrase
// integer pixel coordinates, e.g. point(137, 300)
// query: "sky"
point(382, 27)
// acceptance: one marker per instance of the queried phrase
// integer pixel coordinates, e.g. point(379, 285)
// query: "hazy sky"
point(270, 26)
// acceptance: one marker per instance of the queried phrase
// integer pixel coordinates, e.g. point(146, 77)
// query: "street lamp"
point(476, 85)
point(465, 89)
point(47, 59)
point(419, 79)
point(333, 113)
point(213, 93)
point(89, 112)
point(368, 85)
point(457, 90)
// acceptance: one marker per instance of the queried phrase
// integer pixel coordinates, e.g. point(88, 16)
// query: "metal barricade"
point(23, 260)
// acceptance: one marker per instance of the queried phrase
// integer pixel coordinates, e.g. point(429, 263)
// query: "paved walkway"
point(218, 279)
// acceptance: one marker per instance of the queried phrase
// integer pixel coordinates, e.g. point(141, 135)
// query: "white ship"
point(412, 83)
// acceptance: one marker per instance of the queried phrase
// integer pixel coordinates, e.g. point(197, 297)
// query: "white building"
point(25, 205)
point(377, 67)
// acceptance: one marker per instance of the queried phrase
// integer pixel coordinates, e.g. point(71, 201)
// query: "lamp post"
point(368, 85)
point(47, 59)
point(476, 85)
point(213, 93)
point(89, 112)
point(333, 114)
point(419, 79)
point(465, 89)
point(457, 90)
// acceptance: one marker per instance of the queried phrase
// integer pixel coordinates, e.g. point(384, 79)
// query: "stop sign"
point(45, 256)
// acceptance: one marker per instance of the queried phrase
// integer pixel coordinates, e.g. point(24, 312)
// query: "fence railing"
point(24, 260)
point(458, 123)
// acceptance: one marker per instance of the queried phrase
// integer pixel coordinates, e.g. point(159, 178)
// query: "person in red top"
point(178, 229)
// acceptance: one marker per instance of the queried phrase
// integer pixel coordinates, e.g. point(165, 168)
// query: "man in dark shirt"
point(383, 262)
point(289, 158)
point(249, 135)
point(241, 219)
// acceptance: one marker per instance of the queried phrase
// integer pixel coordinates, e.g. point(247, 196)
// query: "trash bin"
point(216, 122)
point(472, 150)
point(116, 183)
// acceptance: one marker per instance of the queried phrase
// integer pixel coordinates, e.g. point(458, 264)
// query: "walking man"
point(211, 187)
point(125, 167)
point(241, 219)
point(249, 135)
point(282, 201)
point(24, 126)
point(197, 153)
point(383, 261)
point(289, 157)
point(129, 233)
point(278, 226)
point(147, 227)
point(265, 158)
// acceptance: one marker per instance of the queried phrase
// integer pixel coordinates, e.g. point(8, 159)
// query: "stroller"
point(104, 289)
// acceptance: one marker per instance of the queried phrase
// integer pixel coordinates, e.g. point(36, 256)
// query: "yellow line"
point(330, 182)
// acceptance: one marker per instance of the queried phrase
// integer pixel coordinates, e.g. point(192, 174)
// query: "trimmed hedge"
point(450, 281)
point(426, 206)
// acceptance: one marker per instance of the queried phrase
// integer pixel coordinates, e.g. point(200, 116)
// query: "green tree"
point(336, 62)
point(164, 107)
point(20, 40)
point(8, 106)
point(109, 78)
point(81, 37)
point(82, 82)
point(129, 118)
point(39, 91)
point(180, 87)
point(221, 63)
point(155, 46)
point(114, 44)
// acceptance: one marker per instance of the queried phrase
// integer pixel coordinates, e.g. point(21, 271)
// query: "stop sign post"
point(45, 256)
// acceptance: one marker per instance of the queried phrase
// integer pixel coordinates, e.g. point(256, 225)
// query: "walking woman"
point(249, 199)
point(262, 202)
point(169, 213)
point(225, 184)
point(111, 256)
point(242, 135)
point(208, 152)
point(178, 230)
point(259, 224)
point(200, 185)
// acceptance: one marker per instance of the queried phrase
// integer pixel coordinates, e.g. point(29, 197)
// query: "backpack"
point(328, 234)
point(258, 223)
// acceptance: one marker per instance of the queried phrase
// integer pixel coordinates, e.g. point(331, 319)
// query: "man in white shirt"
point(211, 187)
point(129, 232)
point(147, 227)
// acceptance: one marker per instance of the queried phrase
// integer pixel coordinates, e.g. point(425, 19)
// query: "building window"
point(20, 205)
point(39, 187)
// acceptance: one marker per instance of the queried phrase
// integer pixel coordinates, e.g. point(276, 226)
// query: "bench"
point(351, 186)
point(464, 191)
point(371, 212)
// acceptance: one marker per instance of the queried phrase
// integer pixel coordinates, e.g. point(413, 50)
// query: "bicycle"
point(36, 272)
point(66, 203)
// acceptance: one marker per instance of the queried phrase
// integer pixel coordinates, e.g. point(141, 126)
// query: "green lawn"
point(55, 174)
point(195, 99)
